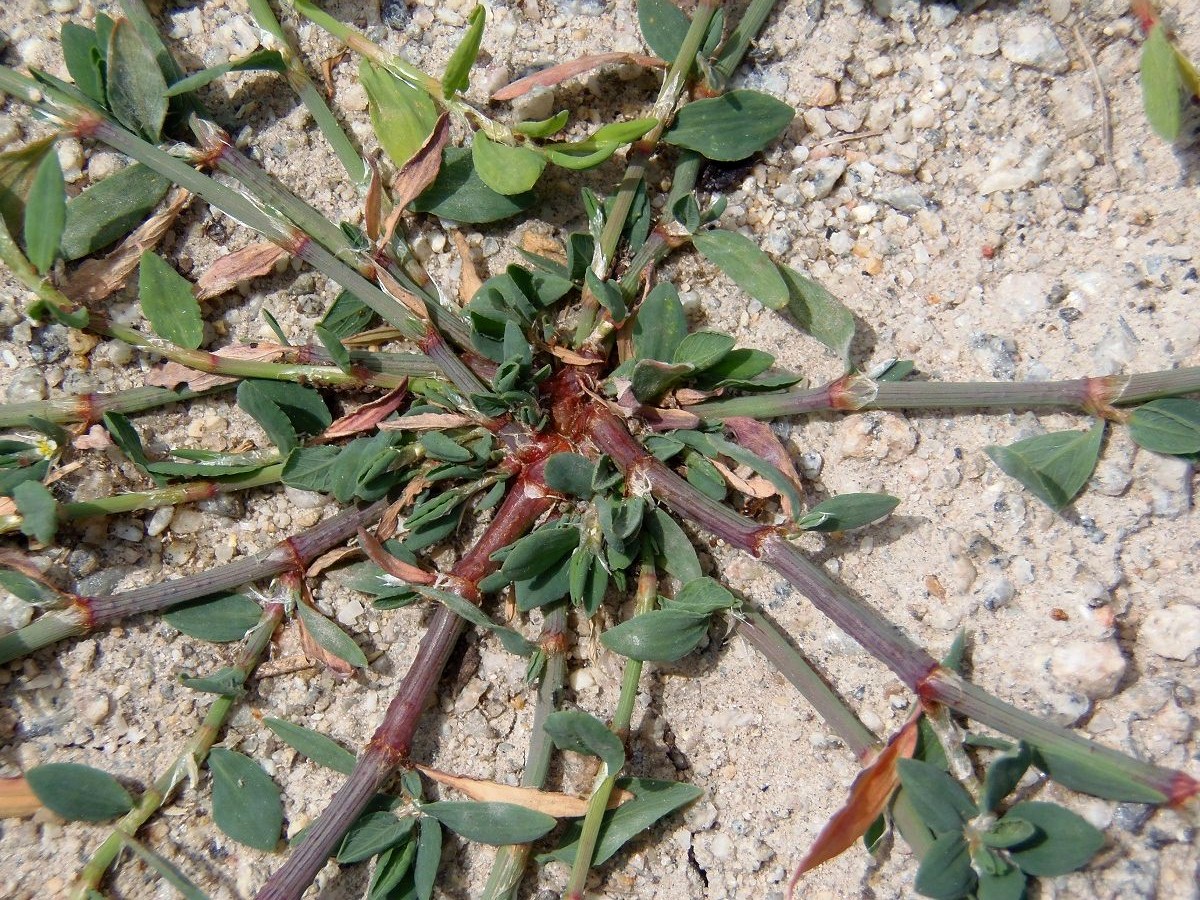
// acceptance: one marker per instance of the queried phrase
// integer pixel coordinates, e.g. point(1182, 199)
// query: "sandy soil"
point(948, 177)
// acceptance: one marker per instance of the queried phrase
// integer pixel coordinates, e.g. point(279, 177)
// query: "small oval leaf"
point(168, 303)
point(79, 793)
point(490, 823)
point(746, 265)
point(245, 801)
point(730, 127)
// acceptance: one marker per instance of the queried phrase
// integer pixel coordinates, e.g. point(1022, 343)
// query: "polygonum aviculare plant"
point(538, 458)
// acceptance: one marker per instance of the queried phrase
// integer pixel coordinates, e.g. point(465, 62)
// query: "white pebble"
point(1093, 668)
point(1173, 633)
point(159, 521)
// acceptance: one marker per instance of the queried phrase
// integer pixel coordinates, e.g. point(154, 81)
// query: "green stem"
point(173, 495)
point(511, 859)
point(297, 78)
point(645, 598)
point(855, 393)
point(90, 408)
point(789, 662)
point(89, 613)
point(186, 763)
point(743, 35)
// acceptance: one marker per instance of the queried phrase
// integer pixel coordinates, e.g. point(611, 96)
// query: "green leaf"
point(746, 265)
point(599, 146)
point(429, 857)
point(660, 324)
point(1008, 832)
point(513, 641)
point(227, 681)
point(403, 116)
point(137, 91)
point(1002, 776)
point(609, 294)
point(651, 379)
point(458, 69)
point(245, 801)
point(506, 170)
point(459, 193)
point(543, 127)
point(661, 635)
point(258, 61)
point(582, 733)
point(38, 509)
point(18, 168)
point(663, 27)
point(703, 349)
point(537, 552)
point(945, 872)
point(490, 823)
point(392, 878)
point(940, 801)
point(220, 618)
point(1008, 885)
point(730, 127)
point(347, 315)
point(1163, 92)
point(330, 637)
point(702, 597)
point(704, 476)
point(438, 446)
point(570, 473)
point(671, 545)
point(547, 587)
point(652, 800)
point(373, 833)
point(1064, 841)
point(284, 410)
point(818, 312)
point(82, 56)
point(111, 209)
point(1054, 467)
point(25, 588)
point(847, 511)
point(166, 869)
point(322, 750)
point(168, 303)
point(45, 213)
point(79, 793)
point(1167, 426)
point(1088, 773)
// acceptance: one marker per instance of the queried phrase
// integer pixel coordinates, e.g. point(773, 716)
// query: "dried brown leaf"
point(96, 279)
point(366, 416)
point(373, 203)
point(424, 421)
point(329, 559)
point(96, 439)
point(552, 803)
point(411, 301)
point(418, 173)
point(751, 487)
point(230, 270)
point(397, 568)
point(172, 374)
point(869, 796)
point(759, 439)
point(470, 281)
point(314, 651)
point(560, 73)
point(17, 798)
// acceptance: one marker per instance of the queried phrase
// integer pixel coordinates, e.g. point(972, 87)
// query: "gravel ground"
point(947, 176)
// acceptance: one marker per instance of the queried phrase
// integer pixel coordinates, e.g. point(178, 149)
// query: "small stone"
point(984, 40)
point(1169, 481)
point(1058, 10)
point(942, 15)
point(826, 173)
point(354, 98)
point(350, 612)
point(1093, 668)
point(906, 199)
point(1023, 294)
point(1173, 633)
point(924, 116)
point(864, 213)
point(582, 7)
point(395, 14)
point(1073, 197)
point(304, 499)
point(14, 613)
point(10, 131)
point(811, 464)
point(1037, 47)
point(1014, 168)
point(186, 521)
point(62, 6)
point(159, 521)
point(27, 386)
point(96, 710)
point(998, 593)
point(841, 243)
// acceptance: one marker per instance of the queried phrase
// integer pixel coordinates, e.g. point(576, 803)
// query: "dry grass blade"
point(173, 374)
point(560, 73)
point(552, 803)
point(367, 416)
point(234, 268)
point(17, 798)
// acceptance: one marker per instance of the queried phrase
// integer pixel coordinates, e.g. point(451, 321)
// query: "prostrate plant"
point(566, 416)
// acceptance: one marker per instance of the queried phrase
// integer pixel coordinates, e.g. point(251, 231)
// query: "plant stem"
point(743, 35)
point(645, 598)
point(524, 503)
point(789, 662)
point(172, 495)
point(856, 392)
point(186, 764)
point(86, 614)
point(298, 80)
point(511, 859)
point(916, 668)
point(90, 408)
